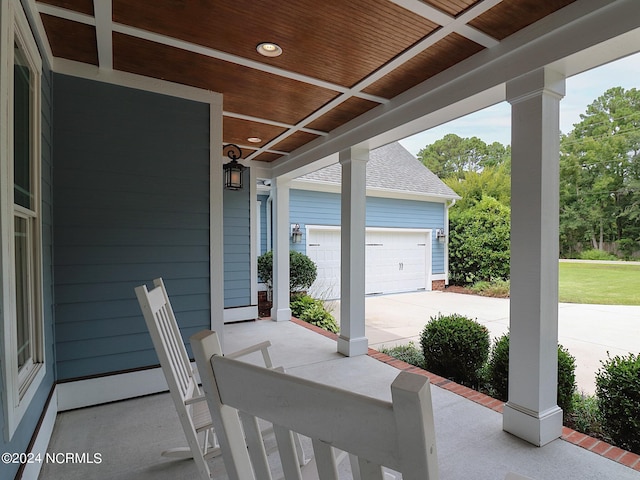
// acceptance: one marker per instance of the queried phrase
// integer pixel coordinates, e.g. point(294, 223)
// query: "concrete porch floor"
point(130, 435)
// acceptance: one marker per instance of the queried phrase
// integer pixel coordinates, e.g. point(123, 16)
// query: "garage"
point(397, 260)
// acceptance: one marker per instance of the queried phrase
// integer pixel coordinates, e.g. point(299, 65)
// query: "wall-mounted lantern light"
point(233, 170)
point(296, 233)
point(440, 235)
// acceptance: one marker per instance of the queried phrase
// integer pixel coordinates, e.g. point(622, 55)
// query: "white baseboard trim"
point(240, 313)
point(39, 449)
point(94, 391)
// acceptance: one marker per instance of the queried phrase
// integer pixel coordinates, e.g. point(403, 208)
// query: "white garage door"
point(397, 260)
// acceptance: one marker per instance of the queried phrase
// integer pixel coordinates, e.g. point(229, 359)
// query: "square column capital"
point(354, 154)
point(536, 83)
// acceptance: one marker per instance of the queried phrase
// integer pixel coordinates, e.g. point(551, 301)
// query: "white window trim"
point(14, 27)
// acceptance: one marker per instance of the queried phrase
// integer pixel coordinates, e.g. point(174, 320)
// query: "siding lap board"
point(131, 203)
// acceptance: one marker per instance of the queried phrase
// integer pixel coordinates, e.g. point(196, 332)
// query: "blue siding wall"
point(263, 223)
point(131, 203)
point(320, 208)
point(25, 430)
point(237, 246)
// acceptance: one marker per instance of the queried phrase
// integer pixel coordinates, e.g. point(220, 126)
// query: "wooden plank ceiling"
point(339, 58)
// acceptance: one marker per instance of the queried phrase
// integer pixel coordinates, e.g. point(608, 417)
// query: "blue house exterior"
point(404, 199)
point(111, 175)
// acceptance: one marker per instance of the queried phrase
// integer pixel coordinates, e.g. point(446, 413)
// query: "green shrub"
point(596, 255)
point(318, 316)
point(300, 302)
point(302, 270)
point(618, 394)
point(566, 379)
point(455, 347)
point(496, 288)
point(585, 416)
point(627, 247)
point(497, 373)
point(479, 247)
point(407, 353)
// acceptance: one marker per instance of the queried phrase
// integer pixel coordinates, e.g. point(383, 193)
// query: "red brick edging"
point(594, 445)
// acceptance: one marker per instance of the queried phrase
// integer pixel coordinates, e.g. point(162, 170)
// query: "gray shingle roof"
point(391, 167)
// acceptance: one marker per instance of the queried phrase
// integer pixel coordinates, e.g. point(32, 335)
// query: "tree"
point(302, 270)
point(490, 182)
point(600, 173)
point(453, 155)
point(479, 246)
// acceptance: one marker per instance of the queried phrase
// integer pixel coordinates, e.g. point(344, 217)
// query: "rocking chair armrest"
point(259, 347)
point(195, 399)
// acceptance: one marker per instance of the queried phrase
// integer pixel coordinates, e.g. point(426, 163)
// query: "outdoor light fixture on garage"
point(233, 170)
point(296, 233)
point(440, 235)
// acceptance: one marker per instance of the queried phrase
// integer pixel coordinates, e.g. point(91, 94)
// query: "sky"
point(493, 124)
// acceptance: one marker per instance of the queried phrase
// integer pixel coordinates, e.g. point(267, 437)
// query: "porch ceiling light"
point(254, 139)
point(233, 170)
point(269, 49)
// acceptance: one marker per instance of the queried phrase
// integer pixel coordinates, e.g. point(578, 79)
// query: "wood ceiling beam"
point(455, 24)
point(104, 32)
point(566, 33)
point(227, 57)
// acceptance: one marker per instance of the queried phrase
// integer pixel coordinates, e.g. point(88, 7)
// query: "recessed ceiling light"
point(254, 139)
point(269, 49)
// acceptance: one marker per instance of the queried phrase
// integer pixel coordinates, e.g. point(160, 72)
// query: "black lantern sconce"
point(296, 233)
point(441, 235)
point(233, 170)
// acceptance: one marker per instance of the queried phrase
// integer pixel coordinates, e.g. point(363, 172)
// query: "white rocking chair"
point(188, 399)
point(399, 435)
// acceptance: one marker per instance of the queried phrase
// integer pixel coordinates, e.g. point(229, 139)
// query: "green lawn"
point(607, 284)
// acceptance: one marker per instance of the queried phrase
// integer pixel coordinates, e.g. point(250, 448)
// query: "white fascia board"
point(330, 187)
point(139, 82)
point(569, 31)
point(404, 195)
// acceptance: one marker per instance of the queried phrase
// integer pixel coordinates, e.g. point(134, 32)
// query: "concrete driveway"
point(587, 331)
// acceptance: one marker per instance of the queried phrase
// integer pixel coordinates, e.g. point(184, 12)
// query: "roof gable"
point(390, 168)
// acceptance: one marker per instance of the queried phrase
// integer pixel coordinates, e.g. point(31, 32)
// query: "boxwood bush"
point(497, 373)
point(618, 394)
point(302, 270)
point(455, 347)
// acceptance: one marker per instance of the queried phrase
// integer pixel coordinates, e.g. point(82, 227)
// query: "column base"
point(281, 314)
point(352, 347)
point(536, 428)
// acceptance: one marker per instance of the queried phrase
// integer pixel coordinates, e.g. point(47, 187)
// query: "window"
point(20, 235)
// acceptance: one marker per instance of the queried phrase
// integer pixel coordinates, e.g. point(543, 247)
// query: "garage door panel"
point(396, 261)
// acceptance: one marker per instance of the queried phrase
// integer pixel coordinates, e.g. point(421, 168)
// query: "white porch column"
point(216, 216)
point(280, 311)
point(352, 341)
point(532, 412)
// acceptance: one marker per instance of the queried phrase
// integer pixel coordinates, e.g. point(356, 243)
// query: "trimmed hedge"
point(618, 394)
point(497, 374)
point(455, 347)
point(302, 270)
